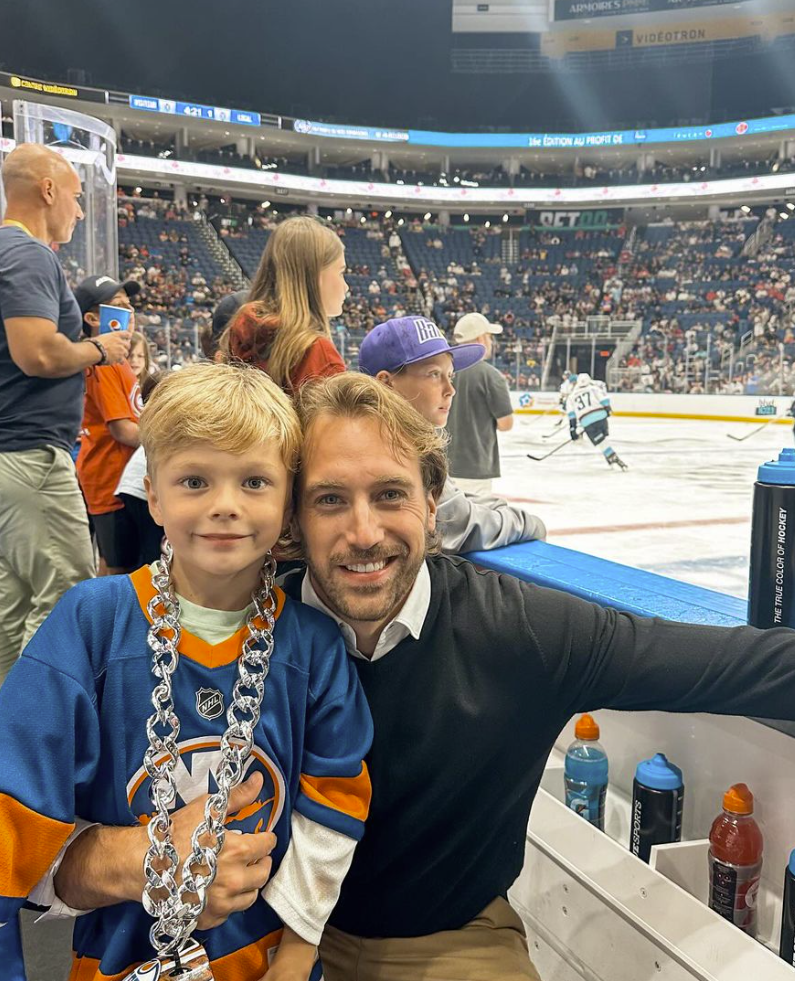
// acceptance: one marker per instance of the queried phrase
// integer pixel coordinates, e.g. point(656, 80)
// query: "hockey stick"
point(553, 450)
point(740, 439)
point(541, 415)
point(555, 429)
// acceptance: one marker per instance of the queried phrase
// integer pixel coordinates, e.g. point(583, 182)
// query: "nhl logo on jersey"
point(209, 703)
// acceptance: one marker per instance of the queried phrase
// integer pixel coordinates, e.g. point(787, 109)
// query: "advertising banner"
point(32, 86)
point(586, 9)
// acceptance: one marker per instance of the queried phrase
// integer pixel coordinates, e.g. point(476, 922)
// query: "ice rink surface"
point(683, 509)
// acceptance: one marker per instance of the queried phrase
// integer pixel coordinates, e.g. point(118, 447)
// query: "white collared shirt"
point(408, 621)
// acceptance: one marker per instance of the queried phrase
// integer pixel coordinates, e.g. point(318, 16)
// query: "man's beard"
point(367, 603)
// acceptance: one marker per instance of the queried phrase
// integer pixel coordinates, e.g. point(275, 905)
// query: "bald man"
point(44, 541)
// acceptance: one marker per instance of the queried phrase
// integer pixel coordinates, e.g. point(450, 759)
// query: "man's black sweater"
point(466, 716)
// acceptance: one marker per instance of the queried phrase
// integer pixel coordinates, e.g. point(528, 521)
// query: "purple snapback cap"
point(406, 340)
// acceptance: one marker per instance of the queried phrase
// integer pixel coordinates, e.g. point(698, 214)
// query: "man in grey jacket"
point(411, 355)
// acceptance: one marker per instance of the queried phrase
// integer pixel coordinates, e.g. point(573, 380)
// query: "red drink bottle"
point(735, 860)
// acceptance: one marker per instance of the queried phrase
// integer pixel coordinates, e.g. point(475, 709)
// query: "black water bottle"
point(786, 948)
point(658, 794)
point(771, 585)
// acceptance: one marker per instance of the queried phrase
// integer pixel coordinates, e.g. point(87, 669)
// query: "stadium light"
point(426, 216)
point(745, 208)
point(400, 221)
point(138, 190)
point(466, 217)
point(349, 211)
point(505, 217)
point(487, 224)
point(362, 220)
point(783, 214)
point(266, 204)
point(791, 206)
point(387, 214)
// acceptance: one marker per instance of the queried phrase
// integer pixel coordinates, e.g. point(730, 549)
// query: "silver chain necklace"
point(176, 908)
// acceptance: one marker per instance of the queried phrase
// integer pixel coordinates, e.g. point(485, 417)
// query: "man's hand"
point(105, 865)
point(294, 959)
point(116, 344)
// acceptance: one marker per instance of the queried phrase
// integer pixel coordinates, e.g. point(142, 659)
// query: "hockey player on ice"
point(588, 406)
point(566, 388)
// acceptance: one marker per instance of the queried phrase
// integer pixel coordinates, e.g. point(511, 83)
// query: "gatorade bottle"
point(786, 947)
point(658, 794)
point(585, 773)
point(735, 860)
point(771, 584)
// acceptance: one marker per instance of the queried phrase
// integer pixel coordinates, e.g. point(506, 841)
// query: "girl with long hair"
point(284, 327)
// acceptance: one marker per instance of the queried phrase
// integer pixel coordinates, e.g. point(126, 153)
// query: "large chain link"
point(164, 898)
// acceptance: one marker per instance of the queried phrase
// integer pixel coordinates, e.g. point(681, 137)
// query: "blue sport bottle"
point(585, 773)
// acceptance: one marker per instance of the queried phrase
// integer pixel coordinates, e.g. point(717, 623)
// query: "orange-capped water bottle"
point(735, 860)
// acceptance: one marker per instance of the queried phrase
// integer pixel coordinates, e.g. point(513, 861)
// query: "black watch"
point(101, 348)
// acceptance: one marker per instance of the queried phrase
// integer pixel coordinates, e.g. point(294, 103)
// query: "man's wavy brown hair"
point(353, 395)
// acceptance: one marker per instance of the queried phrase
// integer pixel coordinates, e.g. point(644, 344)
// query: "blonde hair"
point(286, 290)
point(138, 338)
point(353, 395)
point(231, 407)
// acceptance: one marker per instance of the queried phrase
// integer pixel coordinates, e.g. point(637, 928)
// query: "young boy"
point(221, 444)
point(411, 355)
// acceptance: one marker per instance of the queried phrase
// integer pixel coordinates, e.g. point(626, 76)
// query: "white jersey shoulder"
point(585, 399)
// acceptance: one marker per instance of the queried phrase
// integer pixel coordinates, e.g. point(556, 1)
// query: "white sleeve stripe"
point(307, 885)
point(43, 893)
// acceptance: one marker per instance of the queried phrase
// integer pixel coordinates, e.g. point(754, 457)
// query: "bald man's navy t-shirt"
point(36, 412)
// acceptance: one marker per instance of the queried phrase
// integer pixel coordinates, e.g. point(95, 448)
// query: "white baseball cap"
point(473, 325)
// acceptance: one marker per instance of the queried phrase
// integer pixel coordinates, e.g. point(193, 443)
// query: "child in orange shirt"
point(110, 430)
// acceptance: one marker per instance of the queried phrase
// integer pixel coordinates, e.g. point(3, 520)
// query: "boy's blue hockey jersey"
point(73, 717)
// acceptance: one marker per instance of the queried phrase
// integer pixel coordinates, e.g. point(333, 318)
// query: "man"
point(110, 430)
point(470, 677)
point(412, 356)
point(481, 409)
point(44, 541)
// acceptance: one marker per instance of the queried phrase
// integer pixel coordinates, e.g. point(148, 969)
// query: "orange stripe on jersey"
point(247, 964)
point(29, 842)
point(351, 795)
point(211, 656)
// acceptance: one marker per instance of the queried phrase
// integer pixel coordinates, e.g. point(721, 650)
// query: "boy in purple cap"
point(413, 356)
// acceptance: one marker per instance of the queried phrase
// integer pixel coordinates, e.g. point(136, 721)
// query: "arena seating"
point(161, 245)
point(711, 314)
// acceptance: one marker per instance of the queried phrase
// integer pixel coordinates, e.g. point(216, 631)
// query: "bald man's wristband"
point(103, 354)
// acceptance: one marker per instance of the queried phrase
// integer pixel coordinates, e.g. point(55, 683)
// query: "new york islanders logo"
point(195, 776)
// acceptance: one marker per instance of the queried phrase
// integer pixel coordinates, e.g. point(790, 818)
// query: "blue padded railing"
point(611, 584)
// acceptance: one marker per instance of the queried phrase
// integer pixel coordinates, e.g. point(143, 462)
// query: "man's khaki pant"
point(492, 947)
point(45, 546)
